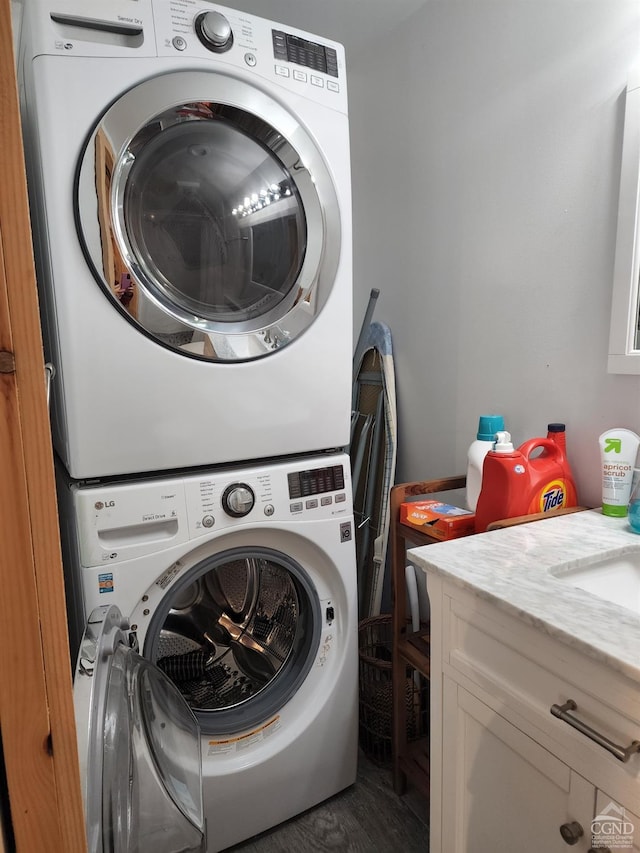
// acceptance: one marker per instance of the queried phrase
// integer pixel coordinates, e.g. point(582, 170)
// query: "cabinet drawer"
point(524, 672)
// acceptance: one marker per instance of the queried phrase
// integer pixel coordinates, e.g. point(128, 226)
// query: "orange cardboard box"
point(437, 519)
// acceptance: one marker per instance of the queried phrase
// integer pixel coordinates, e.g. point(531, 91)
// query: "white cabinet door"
point(614, 826)
point(501, 791)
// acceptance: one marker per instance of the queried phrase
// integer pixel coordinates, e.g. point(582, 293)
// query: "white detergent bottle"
point(488, 426)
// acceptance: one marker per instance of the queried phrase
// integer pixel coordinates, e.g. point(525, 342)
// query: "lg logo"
point(102, 505)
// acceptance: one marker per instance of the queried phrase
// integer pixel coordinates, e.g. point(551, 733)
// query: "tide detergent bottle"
point(522, 482)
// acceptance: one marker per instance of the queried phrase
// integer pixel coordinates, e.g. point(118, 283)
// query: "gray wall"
point(486, 141)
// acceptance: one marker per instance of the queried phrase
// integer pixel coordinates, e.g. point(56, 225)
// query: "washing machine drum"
point(208, 216)
point(237, 637)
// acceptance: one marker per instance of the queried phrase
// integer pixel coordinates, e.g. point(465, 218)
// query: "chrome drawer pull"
point(620, 752)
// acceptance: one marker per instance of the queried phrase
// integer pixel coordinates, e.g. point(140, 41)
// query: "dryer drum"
point(182, 231)
point(240, 629)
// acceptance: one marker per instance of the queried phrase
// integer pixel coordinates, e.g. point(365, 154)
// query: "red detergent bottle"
point(557, 433)
point(534, 478)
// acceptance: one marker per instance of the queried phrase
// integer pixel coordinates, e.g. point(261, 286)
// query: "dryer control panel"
point(304, 52)
point(310, 66)
point(189, 30)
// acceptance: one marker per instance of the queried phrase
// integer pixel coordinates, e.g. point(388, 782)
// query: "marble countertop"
point(512, 569)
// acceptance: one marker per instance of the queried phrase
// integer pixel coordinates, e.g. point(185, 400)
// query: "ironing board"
point(373, 460)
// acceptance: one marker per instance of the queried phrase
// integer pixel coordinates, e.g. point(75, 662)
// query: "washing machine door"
point(237, 634)
point(139, 748)
point(208, 216)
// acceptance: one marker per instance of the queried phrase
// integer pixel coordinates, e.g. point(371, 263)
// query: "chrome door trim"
point(157, 104)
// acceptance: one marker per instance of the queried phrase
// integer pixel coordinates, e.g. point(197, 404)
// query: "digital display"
point(316, 481)
point(317, 57)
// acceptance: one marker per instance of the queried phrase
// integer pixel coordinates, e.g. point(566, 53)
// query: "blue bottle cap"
point(488, 426)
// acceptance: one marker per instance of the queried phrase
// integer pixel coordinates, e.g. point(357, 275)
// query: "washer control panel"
point(315, 487)
point(315, 481)
point(123, 520)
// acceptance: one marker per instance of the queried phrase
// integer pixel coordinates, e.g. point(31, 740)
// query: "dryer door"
point(208, 216)
point(139, 747)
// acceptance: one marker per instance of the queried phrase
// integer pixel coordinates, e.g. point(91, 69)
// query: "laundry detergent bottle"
point(557, 433)
point(502, 470)
point(534, 478)
point(488, 426)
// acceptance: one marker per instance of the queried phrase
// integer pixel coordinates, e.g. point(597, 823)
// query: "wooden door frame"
point(36, 701)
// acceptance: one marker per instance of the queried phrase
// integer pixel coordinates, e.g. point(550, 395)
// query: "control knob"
point(238, 500)
point(214, 31)
point(571, 832)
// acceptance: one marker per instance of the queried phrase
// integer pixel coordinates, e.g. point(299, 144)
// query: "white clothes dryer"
point(240, 585)
point(190, 185)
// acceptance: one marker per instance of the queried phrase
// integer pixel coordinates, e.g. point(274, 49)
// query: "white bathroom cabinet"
point(506, 774)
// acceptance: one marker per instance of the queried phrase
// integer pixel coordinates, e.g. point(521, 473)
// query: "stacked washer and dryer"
point(190, 186)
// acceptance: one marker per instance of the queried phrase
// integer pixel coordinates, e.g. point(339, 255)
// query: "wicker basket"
point(375, 636)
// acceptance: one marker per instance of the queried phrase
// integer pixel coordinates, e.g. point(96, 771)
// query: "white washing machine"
point(190, 184)
point(240, 585)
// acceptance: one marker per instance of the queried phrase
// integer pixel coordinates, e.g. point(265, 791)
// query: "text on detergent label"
point(552, 499)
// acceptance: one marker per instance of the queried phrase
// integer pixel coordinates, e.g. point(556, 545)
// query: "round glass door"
point(216, 228)
point(151, 775)
point(139, 747)
point(237, 636)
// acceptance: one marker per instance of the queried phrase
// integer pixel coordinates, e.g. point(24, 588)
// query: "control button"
point(250, 59)
point(282, 71)
point(300, 75)
point(327, 500)
point(341, 498)
point(178, 42)
point(312, 504)
point(238, 500)
point(333, 87)
point(269, 510)
point(208, 521)
point(214, 31)
point(296, 507)
point(317, 81)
